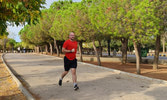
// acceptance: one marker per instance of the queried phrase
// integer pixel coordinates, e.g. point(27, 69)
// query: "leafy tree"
point(45, 24)
point(77, 22)
point(32, 35)
point(108, 17)
point(19, 11)
point(4, 35)
point(58, 30)
point(141, 24)
point(4, 40)
point(126, 19)
point(161, 14)
point(10, 44)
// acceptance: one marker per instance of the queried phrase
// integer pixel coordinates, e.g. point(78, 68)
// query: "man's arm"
point(67, 51)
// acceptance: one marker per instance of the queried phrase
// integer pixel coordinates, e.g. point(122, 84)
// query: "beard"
point(72, 38)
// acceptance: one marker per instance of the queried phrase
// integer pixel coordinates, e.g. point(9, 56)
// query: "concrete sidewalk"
point(41, 73)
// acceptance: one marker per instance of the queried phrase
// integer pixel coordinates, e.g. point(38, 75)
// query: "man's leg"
point(74, 78)
point(62, 76)
point(66, 70)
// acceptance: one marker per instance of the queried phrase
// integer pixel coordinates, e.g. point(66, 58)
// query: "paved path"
point(42, 73)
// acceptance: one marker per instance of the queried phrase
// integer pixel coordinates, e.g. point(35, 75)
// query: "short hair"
point(71, 32)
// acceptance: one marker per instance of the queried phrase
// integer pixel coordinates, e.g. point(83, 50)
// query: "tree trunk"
point(124, 50)
point(51, 48)
point(100, 49)
point(97, 54)
point(12, 49)
point(139, 50)
point(163, 41)
point(80, 51)
point(156, 57)
point(4, 47)
point(108, 41)
point(61, 46)
point(46, 49)
point(57, 49)
point(137, 57)
point(40, 48)
point(37, 49)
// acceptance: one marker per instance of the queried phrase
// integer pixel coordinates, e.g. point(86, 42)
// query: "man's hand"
point(73, 50)
point(68, 51)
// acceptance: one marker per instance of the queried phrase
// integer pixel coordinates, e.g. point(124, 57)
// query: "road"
point(41, 74)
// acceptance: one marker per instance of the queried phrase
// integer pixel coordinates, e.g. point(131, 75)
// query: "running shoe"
point(76, 87)
point(60, 82)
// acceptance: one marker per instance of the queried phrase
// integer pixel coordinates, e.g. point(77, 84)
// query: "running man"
point(70, 61)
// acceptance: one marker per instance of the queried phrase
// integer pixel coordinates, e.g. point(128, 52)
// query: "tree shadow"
point(106, 88)
point(158, 93)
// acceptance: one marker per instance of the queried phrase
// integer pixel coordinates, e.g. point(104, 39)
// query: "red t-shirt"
point(69, 45)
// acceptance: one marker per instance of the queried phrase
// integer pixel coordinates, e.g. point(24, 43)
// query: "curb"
point(121, 72)
point(19, 84)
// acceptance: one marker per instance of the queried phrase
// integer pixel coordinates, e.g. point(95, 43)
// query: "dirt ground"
point(146, 69)
point(8, 87)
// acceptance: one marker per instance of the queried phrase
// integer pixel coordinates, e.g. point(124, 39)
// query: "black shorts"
point(69, 63)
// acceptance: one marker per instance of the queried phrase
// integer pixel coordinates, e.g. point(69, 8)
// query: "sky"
point(14, 30)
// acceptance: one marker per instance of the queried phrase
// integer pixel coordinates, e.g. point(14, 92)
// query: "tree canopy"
point(19, 11)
